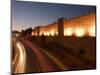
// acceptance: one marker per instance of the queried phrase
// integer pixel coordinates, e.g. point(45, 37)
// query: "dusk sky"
point(30, 14)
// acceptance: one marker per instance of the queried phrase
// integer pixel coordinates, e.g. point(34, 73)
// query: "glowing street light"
point(68, 31)
point(92, 31)
point(52, 32)
point(79, 31)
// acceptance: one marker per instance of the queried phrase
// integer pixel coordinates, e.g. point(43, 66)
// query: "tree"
point(29, 31)
point(26, 32)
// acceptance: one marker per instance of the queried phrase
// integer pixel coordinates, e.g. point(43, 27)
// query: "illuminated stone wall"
point(82, 25)
point(78, 26)
point(50, 29)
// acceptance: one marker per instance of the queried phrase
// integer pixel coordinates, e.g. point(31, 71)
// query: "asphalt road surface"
point(35, 57)
point(30, 58)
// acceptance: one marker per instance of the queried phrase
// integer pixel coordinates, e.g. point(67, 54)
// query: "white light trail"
point(15, 59)
point(20, 68)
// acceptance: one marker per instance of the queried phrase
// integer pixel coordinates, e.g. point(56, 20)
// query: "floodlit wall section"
point(78, 26)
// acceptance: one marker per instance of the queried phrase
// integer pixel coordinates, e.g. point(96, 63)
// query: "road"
point(29, 58)
point(35, 56)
